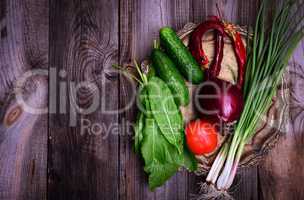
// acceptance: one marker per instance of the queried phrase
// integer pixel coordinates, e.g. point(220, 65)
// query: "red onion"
point(219, 100)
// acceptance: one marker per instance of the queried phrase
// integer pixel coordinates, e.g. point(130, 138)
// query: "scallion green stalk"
point(267, 58)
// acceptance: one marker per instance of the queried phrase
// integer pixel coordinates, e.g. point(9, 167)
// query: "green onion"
point(267, 58)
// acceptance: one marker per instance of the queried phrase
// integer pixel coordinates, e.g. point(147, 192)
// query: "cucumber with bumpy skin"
point(167, 71)
point(179, 53)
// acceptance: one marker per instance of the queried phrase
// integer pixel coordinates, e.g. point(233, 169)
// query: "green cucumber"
point(182, 57)
point(167, 71)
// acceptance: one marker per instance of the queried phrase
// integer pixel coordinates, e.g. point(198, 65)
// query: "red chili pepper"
point(215, 67)
point(240, 52)
point(195, 44)
point(221, 29)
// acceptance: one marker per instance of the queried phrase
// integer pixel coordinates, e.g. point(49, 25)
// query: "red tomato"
point(201, 137)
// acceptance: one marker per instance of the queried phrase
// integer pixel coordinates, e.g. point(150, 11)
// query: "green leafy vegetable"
point(159, 155)
point(138, 129)
point(160, 173)
point(162, 148)
point(165, 112)
point(189, 161)
point(143, 101)
point(162, 160)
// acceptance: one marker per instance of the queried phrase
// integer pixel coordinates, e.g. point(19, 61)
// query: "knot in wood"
point(12, 116)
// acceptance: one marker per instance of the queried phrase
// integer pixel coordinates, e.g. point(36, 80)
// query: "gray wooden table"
point(49, 154)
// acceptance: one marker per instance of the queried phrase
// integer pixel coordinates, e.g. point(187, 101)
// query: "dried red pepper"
point(215, 67)
point(195, 44)
point(240, 52)
point(221, 30)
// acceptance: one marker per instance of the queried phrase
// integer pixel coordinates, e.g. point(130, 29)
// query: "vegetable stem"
point(268, 56)
point(218, 164)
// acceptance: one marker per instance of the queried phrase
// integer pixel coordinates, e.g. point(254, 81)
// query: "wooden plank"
point(138, 29)
point(84, 151)
point(140, 22)
point(24, 40)
point(23, 133)
point(2, 9)
point(132, 178)
point(246, 183)
point(281, 173)
point(24, 142)
point(95, 165)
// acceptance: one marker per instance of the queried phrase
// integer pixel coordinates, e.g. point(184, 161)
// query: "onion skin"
point(226, 104)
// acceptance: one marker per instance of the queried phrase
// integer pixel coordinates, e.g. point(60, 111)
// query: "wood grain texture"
point(140, 22)
point(23, 134)
point(281, 173)
point(24, 143)
point(83, 148)
point(246, 185)
point(137, 31)
point(90, 155)
point(24, 40)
